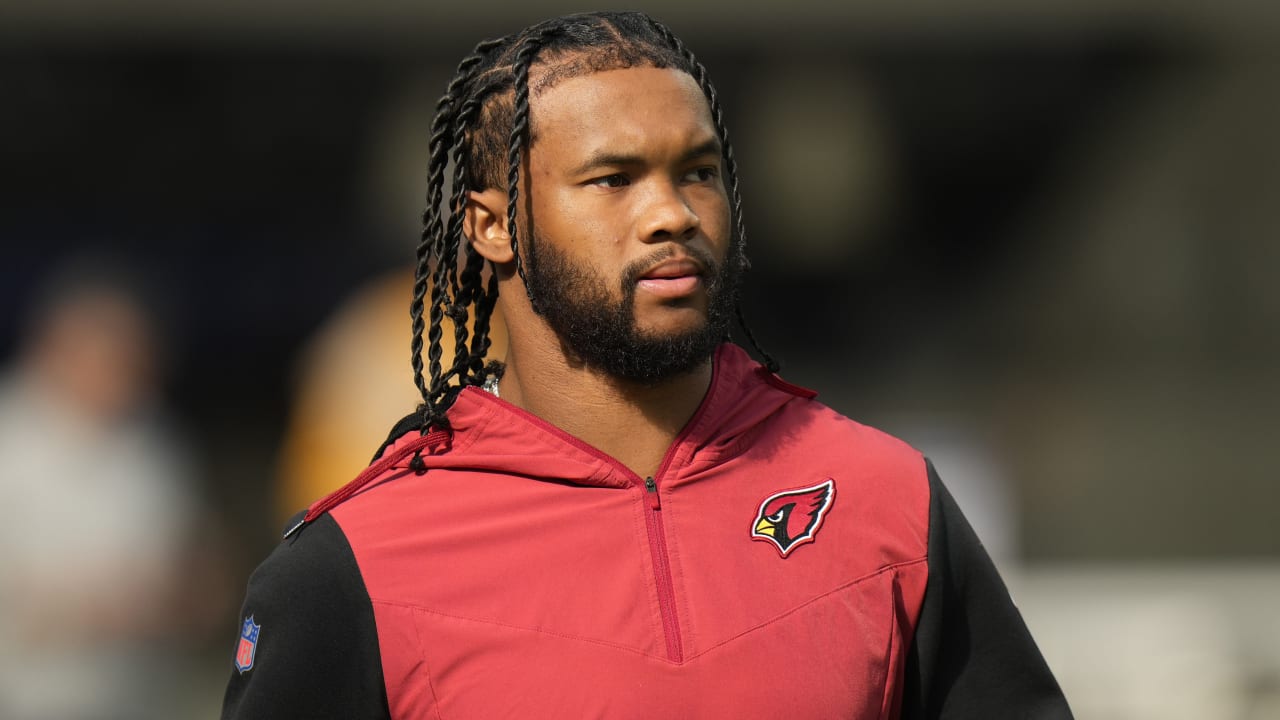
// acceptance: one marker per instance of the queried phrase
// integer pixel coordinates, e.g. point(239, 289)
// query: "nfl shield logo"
point(248, 644)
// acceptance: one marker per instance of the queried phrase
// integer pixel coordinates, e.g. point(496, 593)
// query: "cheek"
point(713, 211)
point(576, 218)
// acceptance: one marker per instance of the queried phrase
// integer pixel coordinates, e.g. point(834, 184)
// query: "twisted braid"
point(519, 141)
point(461, 286)
point(452, 114)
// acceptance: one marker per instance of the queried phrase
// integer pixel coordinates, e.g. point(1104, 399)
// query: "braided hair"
point(482, 126)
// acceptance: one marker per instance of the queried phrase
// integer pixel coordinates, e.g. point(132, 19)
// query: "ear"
point(485, 225)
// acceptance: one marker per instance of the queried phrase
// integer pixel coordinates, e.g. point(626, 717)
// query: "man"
point(629, 517)
point(89, 611)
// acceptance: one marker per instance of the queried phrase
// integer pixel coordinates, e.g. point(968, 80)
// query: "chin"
point(671, 318)
point(672, 328)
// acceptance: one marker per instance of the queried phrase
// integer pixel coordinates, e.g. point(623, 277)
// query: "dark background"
point(1050, 235)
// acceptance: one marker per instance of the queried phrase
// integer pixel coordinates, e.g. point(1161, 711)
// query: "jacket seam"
point(746, 440)
point(509, 626)
point(886, 701)
point(880, 571)
point(431, 685)
point(474, 435)
point(550, 430)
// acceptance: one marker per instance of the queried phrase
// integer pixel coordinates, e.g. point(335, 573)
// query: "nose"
point(667, 215)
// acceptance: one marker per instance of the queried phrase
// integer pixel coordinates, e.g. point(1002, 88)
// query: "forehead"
point(633, 107)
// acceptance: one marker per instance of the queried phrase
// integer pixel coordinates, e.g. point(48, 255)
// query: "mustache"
point(633, 271)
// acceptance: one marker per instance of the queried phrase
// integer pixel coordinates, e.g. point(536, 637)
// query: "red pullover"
point(775, 566)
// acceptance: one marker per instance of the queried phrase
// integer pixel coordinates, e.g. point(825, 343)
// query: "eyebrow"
point(605, 158)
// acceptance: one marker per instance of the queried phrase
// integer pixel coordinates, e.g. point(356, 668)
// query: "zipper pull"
point(651, 488)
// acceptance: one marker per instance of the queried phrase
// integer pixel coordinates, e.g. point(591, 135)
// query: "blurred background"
point(1041, 242)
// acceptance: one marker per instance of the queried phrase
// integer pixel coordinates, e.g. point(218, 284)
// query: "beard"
point(599, 327)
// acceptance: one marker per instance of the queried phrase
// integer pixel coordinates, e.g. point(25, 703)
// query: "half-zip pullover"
point(776, 565)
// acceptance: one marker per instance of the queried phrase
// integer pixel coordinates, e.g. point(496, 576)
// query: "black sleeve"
point(972, 656)
point(316, 652)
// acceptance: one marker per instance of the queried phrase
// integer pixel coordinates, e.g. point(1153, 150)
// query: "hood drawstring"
point(435, 441)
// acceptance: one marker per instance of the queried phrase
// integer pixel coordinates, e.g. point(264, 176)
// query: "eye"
point(777, 517)
point(702, 174)
point(616, 180)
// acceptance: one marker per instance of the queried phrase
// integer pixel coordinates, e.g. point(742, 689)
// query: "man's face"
point(630, 260)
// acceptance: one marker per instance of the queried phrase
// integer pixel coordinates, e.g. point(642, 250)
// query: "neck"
point(635, 424)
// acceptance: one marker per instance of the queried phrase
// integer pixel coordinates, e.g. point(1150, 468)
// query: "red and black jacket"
point(784, 559)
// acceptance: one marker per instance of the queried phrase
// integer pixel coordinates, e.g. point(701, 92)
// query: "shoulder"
point(309, 559)
point(757, 409)
point(308, 645)
point(971, 654)
point(309, 580)
point(866, 436)
point(874, 453)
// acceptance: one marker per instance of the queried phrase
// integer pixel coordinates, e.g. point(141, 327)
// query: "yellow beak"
point(764, 527)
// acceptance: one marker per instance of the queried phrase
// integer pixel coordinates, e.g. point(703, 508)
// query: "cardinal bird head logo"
point(792, 518)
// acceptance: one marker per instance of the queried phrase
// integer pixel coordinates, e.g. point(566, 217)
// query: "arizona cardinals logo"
point(791, 518)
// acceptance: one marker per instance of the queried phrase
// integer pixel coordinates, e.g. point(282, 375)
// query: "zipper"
point(658, 535)
point(653, 504)
point(662, 570)
point(653, 524)
point(652, 513)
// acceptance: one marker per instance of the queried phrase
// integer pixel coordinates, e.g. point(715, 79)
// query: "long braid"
point(480, 341)
point(450, 246)
point(517, 143)
point(430, 233)
point(469, 294)
point(449, 121)
point(465, 283)
point(731, 170)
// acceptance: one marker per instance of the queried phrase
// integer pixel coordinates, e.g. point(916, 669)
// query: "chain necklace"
point(491, 385)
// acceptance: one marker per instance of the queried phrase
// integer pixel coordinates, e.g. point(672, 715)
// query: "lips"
point(673, 268)
point(672, 278)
